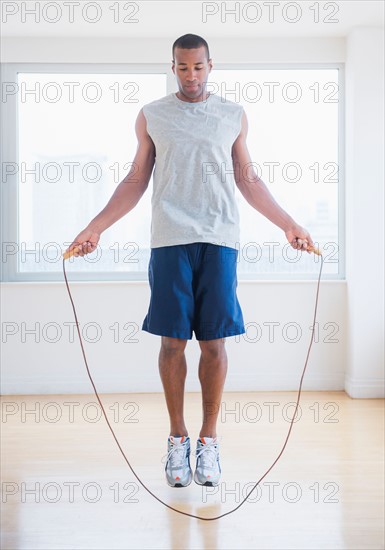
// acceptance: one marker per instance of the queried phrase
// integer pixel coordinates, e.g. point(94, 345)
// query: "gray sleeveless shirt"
point(193, 180)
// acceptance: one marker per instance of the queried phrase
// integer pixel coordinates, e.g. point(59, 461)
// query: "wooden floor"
point(65, 484)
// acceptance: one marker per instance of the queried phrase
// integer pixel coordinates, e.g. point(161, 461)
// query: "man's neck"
point(197, 100)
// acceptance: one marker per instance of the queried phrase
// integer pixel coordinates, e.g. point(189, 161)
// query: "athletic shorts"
point(193, 288)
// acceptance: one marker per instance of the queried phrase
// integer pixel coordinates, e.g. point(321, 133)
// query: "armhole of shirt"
point(144, 108)
point(240, 120)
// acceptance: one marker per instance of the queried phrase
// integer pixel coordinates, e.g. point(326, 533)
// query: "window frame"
point(9, 152)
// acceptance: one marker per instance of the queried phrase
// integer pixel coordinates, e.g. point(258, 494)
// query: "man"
point(197, 143)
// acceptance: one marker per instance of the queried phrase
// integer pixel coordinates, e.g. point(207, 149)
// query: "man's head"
point(191, 65)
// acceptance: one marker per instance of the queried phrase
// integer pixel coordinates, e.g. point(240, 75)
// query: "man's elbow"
point(248, 181)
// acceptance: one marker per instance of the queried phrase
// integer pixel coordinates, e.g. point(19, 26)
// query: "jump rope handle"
point(70, 253)
point(315, 250)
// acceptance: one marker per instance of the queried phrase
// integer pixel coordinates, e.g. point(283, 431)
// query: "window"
point(71, 139)
point(293, 140)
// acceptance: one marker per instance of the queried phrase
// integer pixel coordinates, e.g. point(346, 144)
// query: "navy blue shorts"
point(193, 288)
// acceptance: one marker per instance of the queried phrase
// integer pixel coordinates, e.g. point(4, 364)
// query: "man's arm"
point(259, 197)
point(126, 195)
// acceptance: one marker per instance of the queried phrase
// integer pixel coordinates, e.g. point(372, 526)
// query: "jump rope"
point(70, 253)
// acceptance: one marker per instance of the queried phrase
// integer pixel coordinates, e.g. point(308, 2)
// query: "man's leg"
point(173, 370)
point(212, 375)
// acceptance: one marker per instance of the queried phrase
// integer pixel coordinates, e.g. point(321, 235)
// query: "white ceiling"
point(173, 18)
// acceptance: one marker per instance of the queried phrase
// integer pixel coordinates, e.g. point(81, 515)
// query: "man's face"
point(191, 69)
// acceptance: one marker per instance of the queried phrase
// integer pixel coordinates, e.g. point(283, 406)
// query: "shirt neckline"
point(190, 103)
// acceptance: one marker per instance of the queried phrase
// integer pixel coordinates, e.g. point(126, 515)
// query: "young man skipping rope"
point(196, 143)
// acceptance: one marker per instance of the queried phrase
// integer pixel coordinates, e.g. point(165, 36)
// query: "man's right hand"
point(85, 243)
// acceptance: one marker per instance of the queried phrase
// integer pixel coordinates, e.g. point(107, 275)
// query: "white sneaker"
point(178, 470)
point(208, 469)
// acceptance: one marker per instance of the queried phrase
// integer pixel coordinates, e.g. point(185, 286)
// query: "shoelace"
point(178, 453)
point(208, 454)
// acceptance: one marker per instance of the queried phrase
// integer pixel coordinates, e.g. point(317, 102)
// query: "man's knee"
point(212, 348)
point(173, 345)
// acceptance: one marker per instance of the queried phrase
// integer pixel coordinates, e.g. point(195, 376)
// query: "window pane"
point(76, 142)
point(293, 144)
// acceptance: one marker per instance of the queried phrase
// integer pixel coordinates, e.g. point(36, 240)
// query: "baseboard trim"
point(152, 384)
point(365, 388)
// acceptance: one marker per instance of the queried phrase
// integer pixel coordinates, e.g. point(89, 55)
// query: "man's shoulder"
point(225, 102)
point(159, 102)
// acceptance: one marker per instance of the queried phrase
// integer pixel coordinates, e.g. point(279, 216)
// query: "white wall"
point(44, 367)
point(43, 356)
point(158, 50)
point(365, 211)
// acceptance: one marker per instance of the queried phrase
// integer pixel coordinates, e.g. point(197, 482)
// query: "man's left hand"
point(299, 238)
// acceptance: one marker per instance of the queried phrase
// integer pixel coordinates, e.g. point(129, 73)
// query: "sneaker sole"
point(178, 485)
point(206, 483)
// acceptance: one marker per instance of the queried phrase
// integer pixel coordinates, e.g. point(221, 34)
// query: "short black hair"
point(189, 42)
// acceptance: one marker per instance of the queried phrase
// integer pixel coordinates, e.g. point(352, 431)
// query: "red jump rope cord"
point(287, 436)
